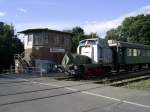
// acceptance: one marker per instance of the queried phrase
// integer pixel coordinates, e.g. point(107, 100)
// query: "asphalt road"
point(36, 94)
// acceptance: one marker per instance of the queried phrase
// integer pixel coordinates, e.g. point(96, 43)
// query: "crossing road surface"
point(47, 94)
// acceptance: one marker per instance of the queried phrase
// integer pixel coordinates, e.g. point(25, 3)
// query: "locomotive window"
point(82, 42)
point(90, 42)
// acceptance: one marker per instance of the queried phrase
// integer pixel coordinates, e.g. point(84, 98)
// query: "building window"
point(56, 40)
point(61, 40)
point(30, 38)
point(57, 50)
point(38, 38)
point(45, 37)
point(67, 42)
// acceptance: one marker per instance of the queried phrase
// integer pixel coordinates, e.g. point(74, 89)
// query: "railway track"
point(113, 79)
point(127, 81)
point(121, 79)
point(116, 79)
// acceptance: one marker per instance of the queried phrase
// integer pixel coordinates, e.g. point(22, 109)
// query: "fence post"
point(41, 72)
point(10, 70)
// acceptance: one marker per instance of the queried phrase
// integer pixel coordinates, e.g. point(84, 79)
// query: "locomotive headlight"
point(75, 67)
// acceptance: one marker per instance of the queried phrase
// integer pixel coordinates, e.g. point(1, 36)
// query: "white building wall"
point(28, 44)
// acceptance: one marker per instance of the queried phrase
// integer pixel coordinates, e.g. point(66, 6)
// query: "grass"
point(141, 85)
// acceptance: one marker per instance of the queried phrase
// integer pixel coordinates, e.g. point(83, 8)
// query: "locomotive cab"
point(86, 47)
point(96, 49)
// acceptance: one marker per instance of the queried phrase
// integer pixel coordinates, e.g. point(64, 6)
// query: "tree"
point(133, 29)
point(112, 35)
point(93, 35)
point(9, 45)
point(79, 35)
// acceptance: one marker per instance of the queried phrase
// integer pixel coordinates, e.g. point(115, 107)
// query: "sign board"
point(57, 50)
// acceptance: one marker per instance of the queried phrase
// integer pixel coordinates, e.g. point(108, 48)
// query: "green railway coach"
point(125, 54)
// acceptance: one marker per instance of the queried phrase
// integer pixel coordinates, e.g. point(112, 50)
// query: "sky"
point(97, 16)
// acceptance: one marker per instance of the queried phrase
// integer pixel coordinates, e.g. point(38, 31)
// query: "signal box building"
point(45, 47)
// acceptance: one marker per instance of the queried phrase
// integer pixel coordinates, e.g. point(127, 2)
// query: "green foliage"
point(141, 85)
point(79, 35)
point(9, 45)
point(112, 35)
point(133, 29)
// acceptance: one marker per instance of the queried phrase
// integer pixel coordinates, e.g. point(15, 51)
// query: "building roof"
point(127, 44)
point(42, 29)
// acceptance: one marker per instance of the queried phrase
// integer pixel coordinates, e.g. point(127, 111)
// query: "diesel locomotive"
point(96, 57)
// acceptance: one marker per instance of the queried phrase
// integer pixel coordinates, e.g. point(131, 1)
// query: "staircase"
point(20, 63)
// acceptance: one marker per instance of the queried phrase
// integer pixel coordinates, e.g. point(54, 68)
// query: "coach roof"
point(127, 44)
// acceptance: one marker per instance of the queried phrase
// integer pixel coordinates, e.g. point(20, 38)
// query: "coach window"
point(148, 52)
point(129, 52)
point(142, 52)
point(138, 52)
point(145, 54)
point(135, 52)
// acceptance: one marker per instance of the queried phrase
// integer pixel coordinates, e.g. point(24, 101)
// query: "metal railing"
point(30, 71)
point(22, 61)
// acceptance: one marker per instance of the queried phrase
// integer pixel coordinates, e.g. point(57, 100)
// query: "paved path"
point(47, 94)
